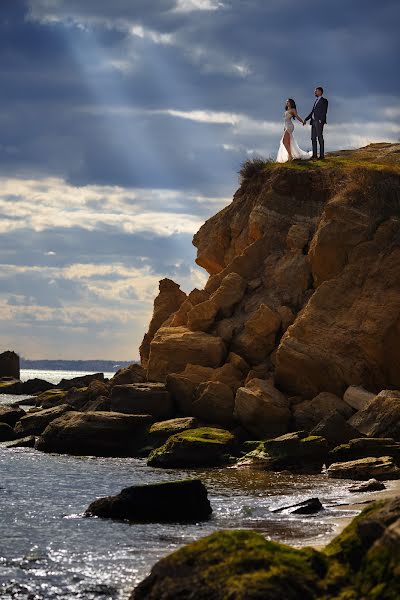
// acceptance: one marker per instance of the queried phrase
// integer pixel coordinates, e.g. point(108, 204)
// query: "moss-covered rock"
point(361, 563)
point(50, 398)
point(204, 446)
point(297, 452)
point(233, 565)
point(365, 447)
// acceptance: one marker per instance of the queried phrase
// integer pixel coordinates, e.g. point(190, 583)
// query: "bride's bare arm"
point(294, 113)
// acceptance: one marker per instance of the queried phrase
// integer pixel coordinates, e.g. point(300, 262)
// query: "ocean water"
point(49, 551)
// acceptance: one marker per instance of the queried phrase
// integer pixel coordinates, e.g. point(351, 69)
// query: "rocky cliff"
point(303, 294)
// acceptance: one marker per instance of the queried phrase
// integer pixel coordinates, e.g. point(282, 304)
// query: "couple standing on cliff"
point(289, 149)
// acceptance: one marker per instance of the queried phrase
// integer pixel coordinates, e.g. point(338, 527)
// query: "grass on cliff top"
point(375, 157)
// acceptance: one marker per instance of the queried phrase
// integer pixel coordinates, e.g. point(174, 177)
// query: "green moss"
point(209, 435)
point(51, 394)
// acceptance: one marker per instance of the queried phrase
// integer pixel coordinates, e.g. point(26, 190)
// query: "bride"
point(289, 148)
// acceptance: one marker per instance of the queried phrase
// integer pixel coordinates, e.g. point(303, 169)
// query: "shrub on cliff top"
point(252, 166)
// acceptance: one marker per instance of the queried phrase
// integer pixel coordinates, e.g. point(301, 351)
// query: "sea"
point(49, 551)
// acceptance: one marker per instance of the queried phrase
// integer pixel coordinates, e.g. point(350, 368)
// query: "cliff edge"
point(303, 290)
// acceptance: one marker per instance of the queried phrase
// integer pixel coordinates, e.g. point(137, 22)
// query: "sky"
point(122, 128)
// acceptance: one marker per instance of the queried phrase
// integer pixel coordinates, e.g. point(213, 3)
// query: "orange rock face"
point(304, 285)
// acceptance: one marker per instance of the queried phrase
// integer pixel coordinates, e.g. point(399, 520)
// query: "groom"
point(318, 120)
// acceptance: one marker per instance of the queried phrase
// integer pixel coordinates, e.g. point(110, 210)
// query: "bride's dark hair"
point(290, 104)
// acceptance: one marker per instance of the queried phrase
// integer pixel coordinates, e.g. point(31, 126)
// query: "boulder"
point(257, 339)
point(171, 501)
point(204, 446)
point(51, 398)
point(256, 458)
point(26, 442)
point(167, 302)
point(380, 417)
point(309, 413)
point(305, 507)
point(262, 409)
point(95, 434)
point(381, 468)
point(80, 381)
point(10, 385)
point(365, 447)
point(134, 373)
point(297, 452)
point(174, 347)
point(142, 399)
point(10, 414)
point(161, 431)
point(36, 386)
point(9, 365)
point(372, 485)
point(357, 397)
point(6, 433)
point(335, 429)
point(214, 402)
point(36, 422)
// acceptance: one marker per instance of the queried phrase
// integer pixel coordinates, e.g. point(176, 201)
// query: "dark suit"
point(317, 125)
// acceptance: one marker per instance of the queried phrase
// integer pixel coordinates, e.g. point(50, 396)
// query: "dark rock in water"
point(361, 562)
point(134, 373)
point(365, 447)
point(10, 414)
point(80, 381)
point(179, 501)
point(95, 433)
point(306, 507)
point(36, 386)
point(26, 442)
point(143, 399)
point(36, 422)
point(372, 485)
point(9, 365)
point(335, 429)
point(381, 468)
point(10, 385)
point(6, 433)
point(297, 452)
point(204, 446)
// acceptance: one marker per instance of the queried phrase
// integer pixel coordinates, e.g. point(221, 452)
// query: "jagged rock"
point(10, 415)
point(214, 402)
point(82, 399)
point(262, 409)
point(36, 386)
point(169, 501)
point(10, 385)
point(297, 452)
point(365, 447)
point(25, 442)
point(380, 417)
point(142, 399)
point(372, 485)
point(36, 422)
point(257, 339)
point(357, 397)
point(168, 301)
point(174, 347)
point(100, 403)
point(306, 507)
point(134, 373)
point(182, 386)
point(180, 317)
point(335, 429)
point(204, 446)
point(6, 432)
point(9, 365)
point(361, 562)
point(80, 381)
point(381, 468)
point(95, 433)
point(310, 412)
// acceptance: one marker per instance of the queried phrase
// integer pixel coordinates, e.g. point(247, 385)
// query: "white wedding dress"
point(296, 151)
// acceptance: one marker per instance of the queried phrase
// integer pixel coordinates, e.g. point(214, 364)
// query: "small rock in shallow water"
point(306, 507)
point(171, 501)
point(372, 485)
point(26, 442)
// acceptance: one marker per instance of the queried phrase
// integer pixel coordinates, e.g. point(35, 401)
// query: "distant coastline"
point(74, 365)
